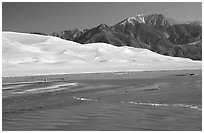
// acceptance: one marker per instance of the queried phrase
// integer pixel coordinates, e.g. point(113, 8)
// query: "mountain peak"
point(103, 26)
point(139, 18)
point(132, 20)
point(157, 20)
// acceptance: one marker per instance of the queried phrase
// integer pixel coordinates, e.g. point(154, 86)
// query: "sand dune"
point(29, 54)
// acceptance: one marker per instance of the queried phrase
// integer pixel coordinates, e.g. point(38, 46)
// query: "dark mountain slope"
point(69, 34)
point(191, 50)
point(107, 34)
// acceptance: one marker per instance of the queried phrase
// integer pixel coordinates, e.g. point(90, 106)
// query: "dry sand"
point(29, 54)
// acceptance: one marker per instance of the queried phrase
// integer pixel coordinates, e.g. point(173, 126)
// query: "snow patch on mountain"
point(131, 20)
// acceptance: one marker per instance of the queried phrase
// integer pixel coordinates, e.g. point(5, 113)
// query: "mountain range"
point(155, 32)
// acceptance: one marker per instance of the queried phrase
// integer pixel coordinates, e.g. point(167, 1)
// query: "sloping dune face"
point(29, 54)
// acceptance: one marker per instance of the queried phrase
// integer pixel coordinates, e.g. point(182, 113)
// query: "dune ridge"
point(30, 54)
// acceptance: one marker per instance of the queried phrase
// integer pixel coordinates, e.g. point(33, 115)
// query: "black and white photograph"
point(101, 66)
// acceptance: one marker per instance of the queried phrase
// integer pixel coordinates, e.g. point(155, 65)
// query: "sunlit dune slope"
point(30, 54)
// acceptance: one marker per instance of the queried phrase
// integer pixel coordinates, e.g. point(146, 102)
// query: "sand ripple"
point(165, 105)
point(58, 87)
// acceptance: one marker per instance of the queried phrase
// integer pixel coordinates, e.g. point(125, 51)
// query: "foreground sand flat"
point(164, 100)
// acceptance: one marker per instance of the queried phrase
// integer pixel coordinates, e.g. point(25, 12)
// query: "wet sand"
point(165, 100)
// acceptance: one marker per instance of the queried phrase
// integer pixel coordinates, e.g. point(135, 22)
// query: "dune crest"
point(29, 54)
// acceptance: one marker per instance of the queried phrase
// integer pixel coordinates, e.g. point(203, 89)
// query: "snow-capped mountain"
point(31, 54)
point(132, 20)
point(155, 32)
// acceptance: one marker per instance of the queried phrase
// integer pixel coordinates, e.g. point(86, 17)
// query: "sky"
point(51, 17)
